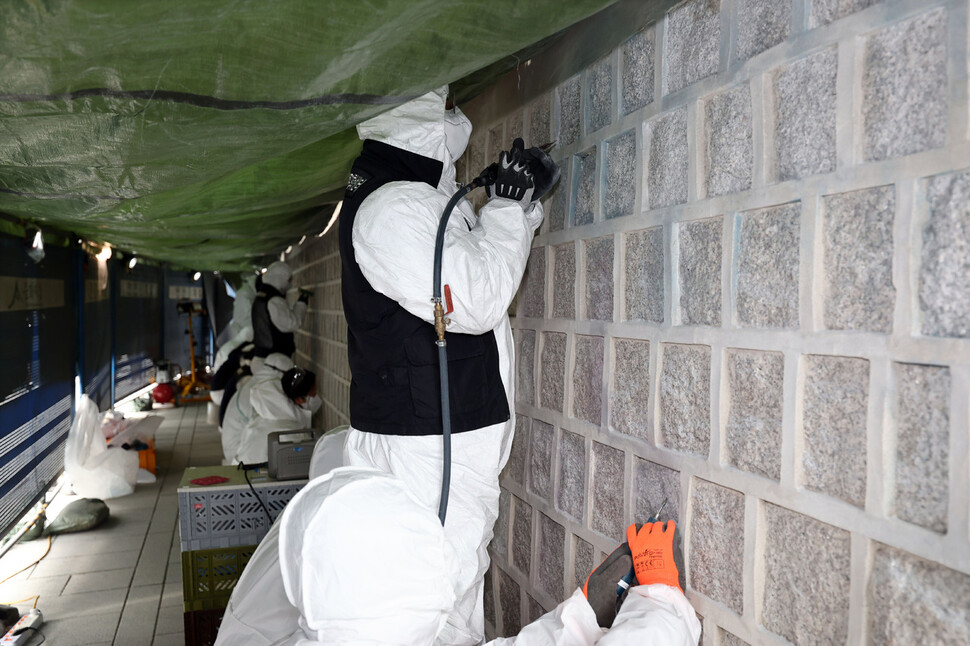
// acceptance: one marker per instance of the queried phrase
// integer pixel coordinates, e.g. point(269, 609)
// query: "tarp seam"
point(203, 101)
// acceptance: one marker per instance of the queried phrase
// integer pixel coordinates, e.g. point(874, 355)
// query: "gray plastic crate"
point(230, 516)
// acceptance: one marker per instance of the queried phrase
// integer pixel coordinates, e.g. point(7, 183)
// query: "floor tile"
point(83, 629)
point(95, 581)
point(137, 625)
point(169, 639)
point(85, 563)
point(170, 620)
point(84, 604)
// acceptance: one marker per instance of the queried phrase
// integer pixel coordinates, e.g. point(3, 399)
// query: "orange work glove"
point(655, 554)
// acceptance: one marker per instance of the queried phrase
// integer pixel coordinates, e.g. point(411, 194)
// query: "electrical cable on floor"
point(36, 598)
point(27, 567)
point(253, 489)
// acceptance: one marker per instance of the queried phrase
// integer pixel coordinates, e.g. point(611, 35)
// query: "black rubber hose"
point(486, 177)
point(439, 241)
point(445, 434)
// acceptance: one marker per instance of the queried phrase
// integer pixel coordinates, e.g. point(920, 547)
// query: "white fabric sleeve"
point(654, 614)
point(394, 238)
point(284, 317)
point(571, 623)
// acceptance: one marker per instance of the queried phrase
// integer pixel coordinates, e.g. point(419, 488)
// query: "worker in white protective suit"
point(239, 411)
point(356, 559)
point(278, 403)
point(241, 326)
point(275, 320)
point(397, 191)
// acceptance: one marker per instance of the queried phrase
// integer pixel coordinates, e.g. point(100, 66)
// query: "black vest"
point(267, 337)
point(395, 387)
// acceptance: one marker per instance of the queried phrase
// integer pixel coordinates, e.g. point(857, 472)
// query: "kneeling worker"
point(285, 403)
point(355, 559)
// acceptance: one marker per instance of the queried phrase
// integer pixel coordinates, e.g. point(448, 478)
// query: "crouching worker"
point(278, 397)
point(281, 403)
point(355, 559)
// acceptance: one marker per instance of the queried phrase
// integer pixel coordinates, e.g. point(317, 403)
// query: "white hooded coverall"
point(355, 559)
point(483, 261)
point(286, 317)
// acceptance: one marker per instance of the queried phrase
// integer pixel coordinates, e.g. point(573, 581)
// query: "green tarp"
point(209, 134)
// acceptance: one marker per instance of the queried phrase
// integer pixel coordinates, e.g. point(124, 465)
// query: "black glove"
point(513, 179)
point(305, 296)
point(601, 587)
point(545, 172)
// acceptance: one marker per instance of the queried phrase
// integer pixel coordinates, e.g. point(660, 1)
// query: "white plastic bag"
point(93, 470)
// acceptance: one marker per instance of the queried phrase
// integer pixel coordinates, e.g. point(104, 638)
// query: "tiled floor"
point(121, 583)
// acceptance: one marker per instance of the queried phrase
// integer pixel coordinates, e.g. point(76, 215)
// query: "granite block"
point(521, 534)
point(499, 547)
point(729, 155)
point(805, 116)
point(525, 387)
point(552, 557)
point(904, 87)
point(564, 281)
point(806, 580)
point(912, 600)
point(668, 159)
point(553, 370)
point(620, 190)
point(685, 398)
point(514, 128)
point(583, 564)
point(488, 601)
point(700, 272)
point(588, 379)
point(608, 470)
point(535, 609)
point(692, 45)
point(754, 425)
point(923, 445)
point(944, 278)
point(836, 399)
point(532, 301)
point(637, 64)
point(599, 94)
point(767, 267)
point(510, 600)
point(540, 120)
point(518, 456)
point(540, 461)
point(571, 494)
point(497, 142)
point(570, 110)
point(475, 153)
point(826, 11)
point(762, 24)
point(598, 255)
point(717, 543)
point(557, 200)
point(584, 202)
point(730, 639)
point(644, 268)
point(858, 236)
point(630, 388)
point(654, 484)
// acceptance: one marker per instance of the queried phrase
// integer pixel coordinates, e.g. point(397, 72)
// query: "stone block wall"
point(321, 344)
point(751, 298)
